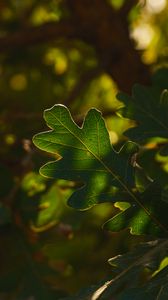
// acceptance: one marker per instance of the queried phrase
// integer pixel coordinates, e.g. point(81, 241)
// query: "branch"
point(37, 35)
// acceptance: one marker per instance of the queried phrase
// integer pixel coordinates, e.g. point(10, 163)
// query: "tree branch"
point(37, 35)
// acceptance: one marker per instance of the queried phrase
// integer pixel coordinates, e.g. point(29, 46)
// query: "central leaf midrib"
point(113, 174)
point(104, 165)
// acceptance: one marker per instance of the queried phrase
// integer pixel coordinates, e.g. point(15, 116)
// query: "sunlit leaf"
point(86, 155)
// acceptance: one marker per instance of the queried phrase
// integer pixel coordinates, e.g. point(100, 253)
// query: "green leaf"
point(86, 155)
point(126, 260)
point(148, 106)
point(50, 210)
point(128, 270)
point(37, 202)
point(156, 288)
point(160, 78)
point(137, 219)
point(33, 183)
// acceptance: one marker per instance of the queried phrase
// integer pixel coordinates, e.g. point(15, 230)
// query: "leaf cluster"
point(85, 155)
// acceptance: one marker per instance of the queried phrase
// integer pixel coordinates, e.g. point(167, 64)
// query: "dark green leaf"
point(87, 157)
point(124, 261)
point(137, 219)
point(149, 108)
point(160, 78)
point(156, 288)
point(129, 268)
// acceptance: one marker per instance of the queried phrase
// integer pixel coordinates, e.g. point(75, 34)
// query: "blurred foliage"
point(78, 53)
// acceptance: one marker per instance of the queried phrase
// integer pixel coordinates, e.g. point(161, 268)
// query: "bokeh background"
point(79, 53)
